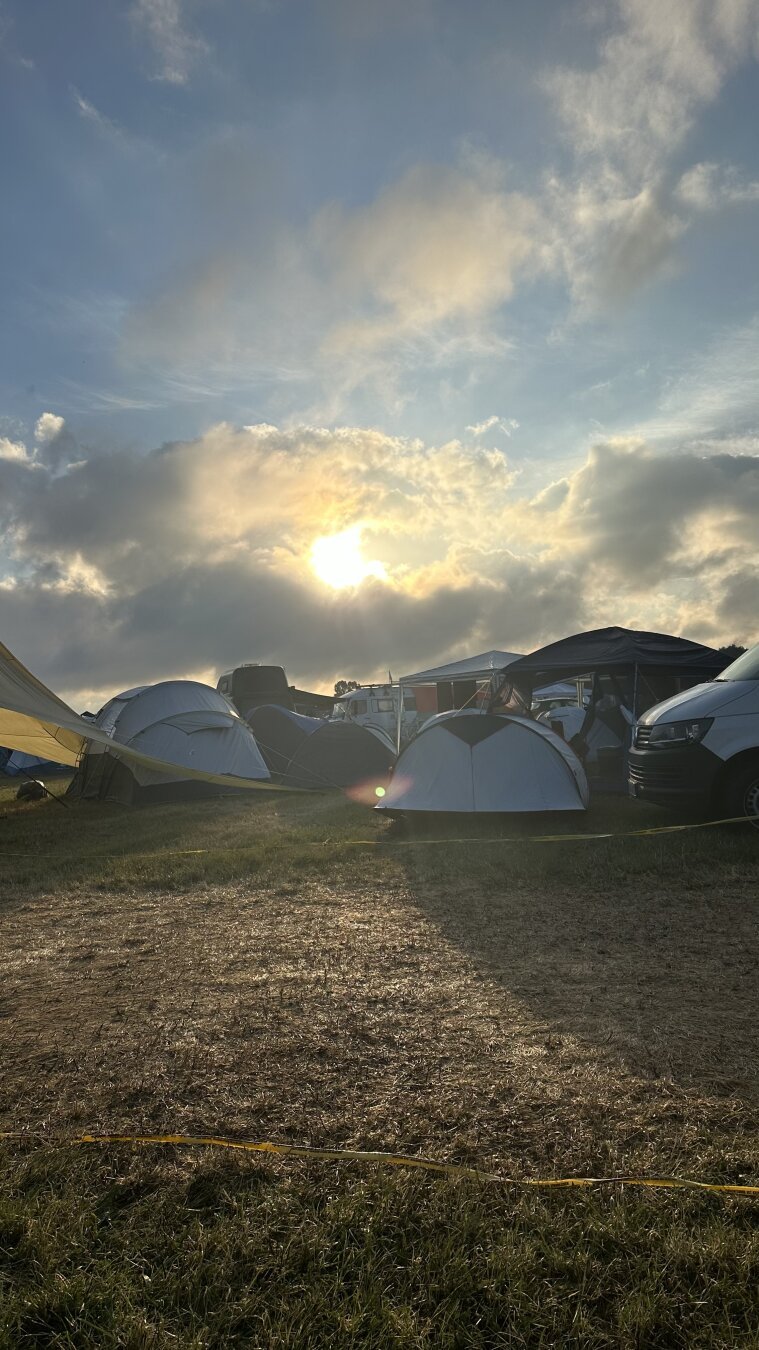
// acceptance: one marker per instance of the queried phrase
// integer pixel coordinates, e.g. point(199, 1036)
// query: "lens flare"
point(369, 792)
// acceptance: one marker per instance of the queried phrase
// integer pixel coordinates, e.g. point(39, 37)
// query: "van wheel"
point(740, 795)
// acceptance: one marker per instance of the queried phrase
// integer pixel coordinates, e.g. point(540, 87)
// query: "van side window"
point(358, 707)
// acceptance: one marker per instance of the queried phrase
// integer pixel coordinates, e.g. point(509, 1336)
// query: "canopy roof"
point(564, 689)
point(614, 649)
point(479, 667)
point(35, 720)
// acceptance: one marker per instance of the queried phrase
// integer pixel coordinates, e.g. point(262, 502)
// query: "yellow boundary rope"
point(403, 843)
point(383, 1159)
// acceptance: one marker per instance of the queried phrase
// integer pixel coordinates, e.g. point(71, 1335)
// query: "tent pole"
point(399, 718)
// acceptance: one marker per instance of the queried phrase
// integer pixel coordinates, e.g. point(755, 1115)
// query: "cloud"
point(638, 247)
point(439, 243)
point(277, 492)
point(662, 541)
point(503, 424)
point(736, 610)
point(177, 50)
point(365, 299)
point(135, 567)
point(610, 241)
point(89, 113)
point(169, 566)
point(14, 451)
point(710, 187)
point(617, 220)
point(48, 426)
point(112, 135)
point(358, 304)
point(629, 510)
point(662, 65)
point(8, 51)
point(713, 394)
point(56, 447)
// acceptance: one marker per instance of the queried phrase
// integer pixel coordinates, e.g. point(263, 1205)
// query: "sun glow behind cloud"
point(338, 561)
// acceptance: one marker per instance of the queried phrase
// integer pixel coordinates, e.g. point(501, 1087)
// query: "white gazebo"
point(482, 669)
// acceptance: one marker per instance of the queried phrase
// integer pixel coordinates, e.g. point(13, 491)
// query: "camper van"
point(701, 748)
point(376, 705)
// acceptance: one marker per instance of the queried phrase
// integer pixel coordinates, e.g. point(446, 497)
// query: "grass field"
point(297, 969)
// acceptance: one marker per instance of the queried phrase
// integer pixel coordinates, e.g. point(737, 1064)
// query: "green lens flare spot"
point(379, 792)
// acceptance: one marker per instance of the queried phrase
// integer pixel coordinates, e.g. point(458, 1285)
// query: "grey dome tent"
point(19, 765)
point(341, 755)
point(469, 761)
point(33, 719)
point(607, 734)
point(180, 722)
point(279, 732)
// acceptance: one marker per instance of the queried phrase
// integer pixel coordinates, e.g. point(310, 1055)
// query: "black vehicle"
point(251, 685)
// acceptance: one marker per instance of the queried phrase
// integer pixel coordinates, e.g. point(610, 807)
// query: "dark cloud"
point(628, 509)
point(139, 567)
point(128, 568)
point(206, 618)
point(736, 611)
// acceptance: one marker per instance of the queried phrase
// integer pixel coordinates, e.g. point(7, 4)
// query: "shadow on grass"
point(643, 950)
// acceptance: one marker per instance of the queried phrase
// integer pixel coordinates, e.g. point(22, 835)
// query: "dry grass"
point(574, 1024)
point(553, 1009)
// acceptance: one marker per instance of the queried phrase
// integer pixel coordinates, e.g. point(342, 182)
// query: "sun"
point(338, 561)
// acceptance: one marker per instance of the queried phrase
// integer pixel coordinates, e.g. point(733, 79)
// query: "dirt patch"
point(537, 1028)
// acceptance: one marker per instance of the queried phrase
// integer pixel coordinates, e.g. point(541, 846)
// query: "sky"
point(355, 336)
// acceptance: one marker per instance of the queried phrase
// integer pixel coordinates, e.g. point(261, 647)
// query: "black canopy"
point(612, 649)
point(617, 652)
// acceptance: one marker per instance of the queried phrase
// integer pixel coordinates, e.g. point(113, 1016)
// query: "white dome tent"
point(186, 725)
point(469, 761)
point(599, 736)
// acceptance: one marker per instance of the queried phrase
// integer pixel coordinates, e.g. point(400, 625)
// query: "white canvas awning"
point(479, 667)
point(35, 720)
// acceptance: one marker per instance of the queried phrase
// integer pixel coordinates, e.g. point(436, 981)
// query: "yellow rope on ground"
point(385, 1159)
point(401, 843)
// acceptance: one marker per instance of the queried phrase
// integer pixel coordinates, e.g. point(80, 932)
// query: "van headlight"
point(680, 733)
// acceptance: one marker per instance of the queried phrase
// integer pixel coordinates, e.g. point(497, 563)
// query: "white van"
point(701, 748)
point(376, 705)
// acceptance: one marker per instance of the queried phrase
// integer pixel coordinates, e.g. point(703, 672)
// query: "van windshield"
point(745, 668)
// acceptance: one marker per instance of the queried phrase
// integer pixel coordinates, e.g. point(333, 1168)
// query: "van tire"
point(740, 794)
